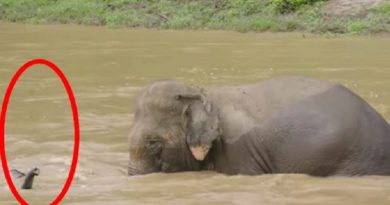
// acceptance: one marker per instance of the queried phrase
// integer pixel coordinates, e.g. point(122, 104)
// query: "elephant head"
point(173, 129)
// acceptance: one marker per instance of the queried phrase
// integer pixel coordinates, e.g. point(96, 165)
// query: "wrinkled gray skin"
point(282, 125)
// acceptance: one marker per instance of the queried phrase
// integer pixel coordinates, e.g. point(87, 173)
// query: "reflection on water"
point(107, 67)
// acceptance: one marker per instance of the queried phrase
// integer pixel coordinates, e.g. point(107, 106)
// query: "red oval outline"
point(76, 127)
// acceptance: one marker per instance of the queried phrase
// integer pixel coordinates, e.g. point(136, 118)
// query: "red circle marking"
point(76, 127)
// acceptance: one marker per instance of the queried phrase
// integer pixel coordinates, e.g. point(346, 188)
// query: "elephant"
point(286, 124)
point(26, 180)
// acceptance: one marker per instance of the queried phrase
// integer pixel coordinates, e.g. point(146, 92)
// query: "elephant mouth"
point(200, 151)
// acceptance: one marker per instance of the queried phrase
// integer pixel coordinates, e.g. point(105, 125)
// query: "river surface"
point(108, 67)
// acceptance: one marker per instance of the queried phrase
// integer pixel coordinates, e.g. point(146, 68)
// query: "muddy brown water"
point(107, 67)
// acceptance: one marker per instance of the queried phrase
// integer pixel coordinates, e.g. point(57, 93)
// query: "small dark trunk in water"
point(28, 182)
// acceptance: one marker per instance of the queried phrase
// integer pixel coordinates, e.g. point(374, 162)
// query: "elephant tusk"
point(200, 151)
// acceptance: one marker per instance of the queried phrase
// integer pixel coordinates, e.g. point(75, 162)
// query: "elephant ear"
point(195, 119)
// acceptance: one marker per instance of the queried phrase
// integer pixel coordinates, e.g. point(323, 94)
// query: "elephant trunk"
point(28, 182)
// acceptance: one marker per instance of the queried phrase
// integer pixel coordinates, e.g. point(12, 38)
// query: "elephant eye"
point(153, 142)
point(154, 146)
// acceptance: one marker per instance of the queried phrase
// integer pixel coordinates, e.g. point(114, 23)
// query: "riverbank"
point(314, 16)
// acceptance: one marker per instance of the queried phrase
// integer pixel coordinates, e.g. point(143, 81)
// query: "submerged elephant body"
point(281, 125)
